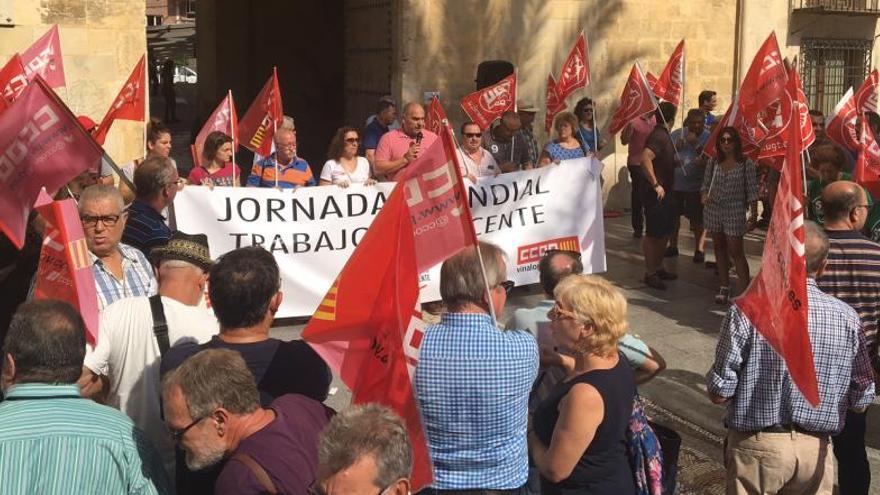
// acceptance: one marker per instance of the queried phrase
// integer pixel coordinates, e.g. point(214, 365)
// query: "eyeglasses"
point(180, 182)
point(90, 221)
point(352, 140)
point(473, 134)
point(725, 139)
point(556, 314)
point(507, 285)
point(867, 207)
point(290, 146)
point(178, 434)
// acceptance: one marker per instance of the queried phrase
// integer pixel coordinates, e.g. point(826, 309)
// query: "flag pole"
point(595, 105)
point(275, 161)
point(235, 178)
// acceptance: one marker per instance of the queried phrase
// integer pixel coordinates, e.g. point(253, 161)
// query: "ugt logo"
point(497, 97)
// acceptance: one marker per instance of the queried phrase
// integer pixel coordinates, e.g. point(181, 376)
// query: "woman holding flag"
point(217, 157)
point(587, 131)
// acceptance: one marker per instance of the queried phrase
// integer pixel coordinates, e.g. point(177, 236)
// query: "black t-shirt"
point(660, 143)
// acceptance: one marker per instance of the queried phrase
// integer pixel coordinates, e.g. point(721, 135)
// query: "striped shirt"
point(472, 384)
point(295, 174)
point(755, 379)
point(52, 441)
point(137, 277)
point(853, 276)
point(146, 228)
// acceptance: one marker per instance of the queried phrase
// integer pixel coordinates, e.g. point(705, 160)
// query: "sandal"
point(723, 295)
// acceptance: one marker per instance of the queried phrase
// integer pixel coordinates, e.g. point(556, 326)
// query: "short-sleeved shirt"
point(588, 138)
point(660, 143)
point(688, 176)
point(286, 448)
point(394, 144)
point(295, 174)
point(137, 277)
point(709, 120)
point(486, 168)
point(515, 151)
point(638, 137)
point(372, 134)
point(558, 153)
point(224, 177)
point(334, 172)
point(146, 228)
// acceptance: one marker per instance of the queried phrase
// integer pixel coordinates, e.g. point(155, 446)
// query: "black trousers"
point(637, 178)
point(853, 470)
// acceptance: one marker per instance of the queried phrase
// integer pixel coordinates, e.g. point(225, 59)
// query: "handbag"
point(644, 452)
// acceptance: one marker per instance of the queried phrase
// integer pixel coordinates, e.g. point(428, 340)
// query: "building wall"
point(101, 42)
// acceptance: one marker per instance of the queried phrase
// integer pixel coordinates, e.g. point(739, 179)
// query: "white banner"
point(312, 231)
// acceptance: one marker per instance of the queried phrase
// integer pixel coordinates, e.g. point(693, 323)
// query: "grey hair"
point(167, 265)
point(98, 192)
point(287, 123)
point(817, 246)
point(153, 175)
point(369, 429)
point(214, 378)
point(461, 278)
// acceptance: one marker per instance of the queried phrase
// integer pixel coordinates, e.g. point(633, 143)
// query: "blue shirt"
point(146, 228)
point(755, 379)
point(588, 139)
point(137, 277)
point(52, 441)
point(372, 133)
point(558, 153)
point(688, 176)
point(472, 384)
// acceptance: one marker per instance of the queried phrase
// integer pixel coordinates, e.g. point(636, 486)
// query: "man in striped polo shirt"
point(853, 276)
point(282, 168)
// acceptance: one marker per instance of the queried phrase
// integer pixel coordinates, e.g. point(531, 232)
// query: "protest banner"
point(313, 231)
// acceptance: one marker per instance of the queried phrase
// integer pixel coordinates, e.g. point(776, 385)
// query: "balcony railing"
point(849, 7)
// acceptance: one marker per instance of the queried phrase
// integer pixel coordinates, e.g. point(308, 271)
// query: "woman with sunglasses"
point(566, 146)
point(344, 167)
point(587, 131)
point(729, 192)
point(579, 438)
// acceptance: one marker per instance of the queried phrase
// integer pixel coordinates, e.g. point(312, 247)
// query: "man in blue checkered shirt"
point(473, 381)
point(775, 439)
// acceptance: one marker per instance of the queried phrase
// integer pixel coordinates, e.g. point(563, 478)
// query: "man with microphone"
point(399, 147)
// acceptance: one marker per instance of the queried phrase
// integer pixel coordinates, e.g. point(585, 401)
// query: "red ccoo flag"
point(636, 100)
point(867, 169)
point(487, 104)
point(223, 119)
point(65, 269)
point(776, 300)
point(130, 103)
point(44, 59)
point(41, 145)
point(671, 81)
point(575, 72)
point(257, 127)
point(840, 126)
point(553, 103)
point(370, 333)
point(435, 117)
point(866, 96)
point(12, 79)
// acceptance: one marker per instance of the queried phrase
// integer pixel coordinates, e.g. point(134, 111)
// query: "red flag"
point(636, 100)
point(65, 269)
point(652, 82)
point(487, 104)
point(435, 117)
point(671, 81)
point(130, 103)
point(553, 102)
point(41, 145)
point(840, 126)
point(223, 119)
point(776, 300)
point(796, 90)
point(575, 72)
point(44, 58)
point(867, 169)
point(765, 80)
point(12, 79)
point(866, 96)
point(257, 127)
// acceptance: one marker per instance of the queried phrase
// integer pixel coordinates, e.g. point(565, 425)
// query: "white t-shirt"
point(128, 354)
point(487, 167)
point(336, 174)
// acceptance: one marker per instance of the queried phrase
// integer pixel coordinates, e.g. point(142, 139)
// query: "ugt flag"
point(65, 269)
point(867, 169)
point(41, 145)
point(636, 100)
point(43, 58)
point(553, 102)
point(223, 119)
point(841, 124)
point(575, 72)
point(866, 95)
point(671, 81)
point(489, 103)
point(776, 300)
point(130, 103)
point(435, 117)
point(257, 127)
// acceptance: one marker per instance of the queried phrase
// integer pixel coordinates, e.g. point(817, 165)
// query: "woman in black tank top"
point(578, 441)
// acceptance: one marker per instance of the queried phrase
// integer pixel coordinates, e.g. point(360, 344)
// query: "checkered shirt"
point(472, 384)
point(137, 277)
point(749, 372)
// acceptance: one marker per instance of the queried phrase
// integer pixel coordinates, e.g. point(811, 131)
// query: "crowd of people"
point(181, 395)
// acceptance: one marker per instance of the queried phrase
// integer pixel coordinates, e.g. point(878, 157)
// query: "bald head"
point(842, 202)
point(413, 118)
point(816, 246)
point(556, 265)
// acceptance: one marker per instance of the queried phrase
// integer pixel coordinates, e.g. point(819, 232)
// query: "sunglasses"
point(473, 134)
point(178, 434)
point(352, 140)
point(725, 139)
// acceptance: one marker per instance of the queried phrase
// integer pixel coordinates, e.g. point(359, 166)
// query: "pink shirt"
point(641, 128)
point(394, 144)
point(223, 177)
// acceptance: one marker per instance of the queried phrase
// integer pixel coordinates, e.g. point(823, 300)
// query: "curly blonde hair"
point(593, 300)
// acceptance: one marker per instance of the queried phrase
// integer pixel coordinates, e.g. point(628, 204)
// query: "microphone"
point(419, 137)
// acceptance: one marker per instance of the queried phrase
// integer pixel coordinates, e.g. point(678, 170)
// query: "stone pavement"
point(681, 323)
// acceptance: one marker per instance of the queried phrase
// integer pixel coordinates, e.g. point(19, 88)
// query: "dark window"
point(830, 67)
